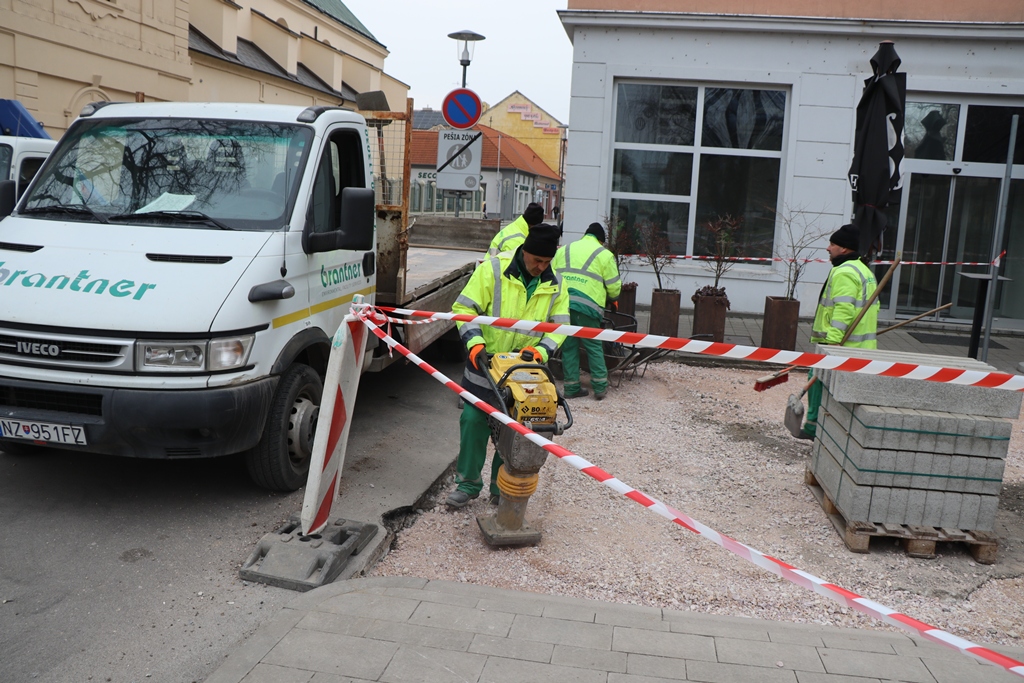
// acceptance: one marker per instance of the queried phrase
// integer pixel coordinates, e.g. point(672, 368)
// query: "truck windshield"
point(242, 175)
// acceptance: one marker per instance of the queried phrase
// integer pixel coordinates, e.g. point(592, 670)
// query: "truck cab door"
point(339, 233)
point(26, 169)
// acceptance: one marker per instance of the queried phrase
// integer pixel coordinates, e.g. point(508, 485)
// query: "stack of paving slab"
point(910, 452)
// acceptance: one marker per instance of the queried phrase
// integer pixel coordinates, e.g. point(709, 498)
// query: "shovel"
point(794, 419)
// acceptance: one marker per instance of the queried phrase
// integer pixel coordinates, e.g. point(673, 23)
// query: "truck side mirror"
point(8, 198)
point(356, 219)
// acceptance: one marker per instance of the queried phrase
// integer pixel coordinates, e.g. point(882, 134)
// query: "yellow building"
point(519, 117)
point(56, 56)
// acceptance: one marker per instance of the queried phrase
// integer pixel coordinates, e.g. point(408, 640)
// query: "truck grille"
point(46, 399)
point(65, 351)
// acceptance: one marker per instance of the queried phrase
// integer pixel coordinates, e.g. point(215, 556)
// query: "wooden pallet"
point(918, 541)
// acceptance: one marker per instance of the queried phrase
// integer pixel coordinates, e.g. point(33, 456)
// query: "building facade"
point(679, 117)
point(56, 56)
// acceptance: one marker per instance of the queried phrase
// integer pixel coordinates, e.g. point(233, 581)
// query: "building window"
point(685, 155)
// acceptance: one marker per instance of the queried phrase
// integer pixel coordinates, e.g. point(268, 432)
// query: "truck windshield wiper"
point(66, 209)
point(187, 215)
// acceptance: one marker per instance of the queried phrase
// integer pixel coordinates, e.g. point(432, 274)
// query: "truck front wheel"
point(280, 461)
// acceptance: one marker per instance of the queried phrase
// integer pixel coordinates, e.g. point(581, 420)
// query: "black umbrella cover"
point(876, 175)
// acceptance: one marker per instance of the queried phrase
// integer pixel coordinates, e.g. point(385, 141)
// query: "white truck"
point(20, 159)
point(172, 278)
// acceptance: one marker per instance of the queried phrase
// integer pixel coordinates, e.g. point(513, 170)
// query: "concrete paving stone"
point(879, 509)
point(630, 678)
point(852, 640)
point(589, 658)
point(423, 636)
point(679, 645)
point(433, 596)
point(907, 462)
point(767, 655)
point(512, 606)
point(852, 500)
point(924, 464)
point(500, 670)
point(715, 672)
point(462, 619)
point(321, 677)
point(656, 667)
point(569, 612)
point(886, 465)
point(345, 624)
point(267, 673)
point(333, 654)
point(254, 649)
point(958, 472)
point(811, 677)
point(427, 665)
point(712, 628)
point(314, 598)
point(367, 604)
point(471, 589)
point(875, 665)
point(966, 669)
point(897, 506)
point(512, 648)
point(915, 507)
point(933, 504)
point(785, 633)
point(987, 513)
point(995, 468)
point(952, 504)
point(562, 632)
point(970, 505)
point(622, 618)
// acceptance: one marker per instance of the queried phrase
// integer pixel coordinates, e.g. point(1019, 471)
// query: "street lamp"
point(465, 50)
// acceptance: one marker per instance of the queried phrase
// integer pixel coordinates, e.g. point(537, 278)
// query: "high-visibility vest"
point(496, 289)
point(590, 273)
point(510, 237)
point(846, 292)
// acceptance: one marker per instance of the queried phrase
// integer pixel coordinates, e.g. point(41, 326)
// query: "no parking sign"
point(461, 108)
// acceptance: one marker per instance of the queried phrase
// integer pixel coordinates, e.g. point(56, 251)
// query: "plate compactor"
point(527, 393)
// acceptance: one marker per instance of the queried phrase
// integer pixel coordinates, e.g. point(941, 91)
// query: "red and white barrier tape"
point(973, 378)
point(775, 566)
point(779, 259)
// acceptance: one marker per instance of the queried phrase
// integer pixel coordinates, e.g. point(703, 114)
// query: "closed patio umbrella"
point(876, 175)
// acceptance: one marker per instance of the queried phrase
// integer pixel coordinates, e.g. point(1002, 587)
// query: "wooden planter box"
point(709, 318)
point(779, 327)
point(627, 299)
point(664, 312)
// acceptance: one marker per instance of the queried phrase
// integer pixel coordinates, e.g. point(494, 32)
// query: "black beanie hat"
point(542, 241)
point(534, 213)
point(847, 236)
point(597, 230)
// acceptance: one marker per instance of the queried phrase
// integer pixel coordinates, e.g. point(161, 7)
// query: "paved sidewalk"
point(417, 631)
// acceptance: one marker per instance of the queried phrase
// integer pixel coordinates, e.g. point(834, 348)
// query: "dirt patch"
point(702, 441)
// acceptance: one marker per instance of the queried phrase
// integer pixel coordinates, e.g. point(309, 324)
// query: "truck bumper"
point(136, 423)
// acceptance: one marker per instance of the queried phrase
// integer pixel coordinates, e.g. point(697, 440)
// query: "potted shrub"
point(710, 302)
point(782, 313)
point(655, 252)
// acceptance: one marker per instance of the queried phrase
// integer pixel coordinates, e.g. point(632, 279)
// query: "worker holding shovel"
point(847, 312)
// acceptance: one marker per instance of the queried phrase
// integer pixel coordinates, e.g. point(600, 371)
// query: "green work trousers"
point(595, 356)
point(474, 432)
point(813, 403)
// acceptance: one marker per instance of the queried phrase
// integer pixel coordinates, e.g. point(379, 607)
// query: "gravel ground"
point(701, 440)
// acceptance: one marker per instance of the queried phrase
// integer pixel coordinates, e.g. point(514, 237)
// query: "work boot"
point(493, 500)
point(599, 395)
point(804, 434)
point(459, 499)
point(578, 394)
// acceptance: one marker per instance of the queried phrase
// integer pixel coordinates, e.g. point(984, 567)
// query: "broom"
point(782, 376)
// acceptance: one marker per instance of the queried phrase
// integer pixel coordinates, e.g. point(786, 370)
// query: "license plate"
point(42, 431)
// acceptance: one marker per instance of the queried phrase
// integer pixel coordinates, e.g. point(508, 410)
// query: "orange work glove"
point(531, 355)
point(615, 305)
point(476, 351)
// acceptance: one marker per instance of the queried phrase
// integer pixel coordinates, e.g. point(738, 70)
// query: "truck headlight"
point(193, 356)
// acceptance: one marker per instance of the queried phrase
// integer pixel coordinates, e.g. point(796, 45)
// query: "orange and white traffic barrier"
point(336, 407)
point(775, 566)
point(973, 378)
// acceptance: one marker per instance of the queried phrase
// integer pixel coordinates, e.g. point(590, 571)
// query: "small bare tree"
point(720, 244)
point(654, 247)
point(800, 231)
point(620, 243)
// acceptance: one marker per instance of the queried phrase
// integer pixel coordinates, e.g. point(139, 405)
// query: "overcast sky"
point(526, 49)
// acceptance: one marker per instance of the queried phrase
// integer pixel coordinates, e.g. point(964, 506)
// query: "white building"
point(679, 116)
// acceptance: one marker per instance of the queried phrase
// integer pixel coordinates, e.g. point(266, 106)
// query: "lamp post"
point(466, 40)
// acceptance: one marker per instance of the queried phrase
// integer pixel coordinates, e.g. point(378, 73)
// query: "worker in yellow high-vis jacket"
point(845, 293)
point(590, 273)
point(519, 285)
point(512, 235)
